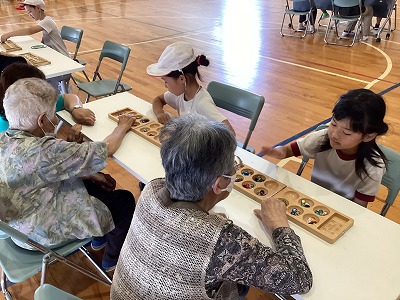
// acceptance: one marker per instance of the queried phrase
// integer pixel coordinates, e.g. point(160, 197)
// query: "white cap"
point(174, 58)
point(39, 3)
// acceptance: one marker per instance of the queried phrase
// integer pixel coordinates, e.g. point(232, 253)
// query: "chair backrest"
point(49, 292)
point(323, 4)
point(346, 3)
point(391, 178)
point(238, 101)
point(73, 35)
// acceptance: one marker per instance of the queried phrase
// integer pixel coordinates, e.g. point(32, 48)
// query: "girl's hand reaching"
point(280, 152)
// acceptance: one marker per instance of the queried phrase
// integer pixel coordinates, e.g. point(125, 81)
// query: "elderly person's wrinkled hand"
point(75, 134)
point(104, 180)
point(126, 121)
point(272, 214)
point(84, 116)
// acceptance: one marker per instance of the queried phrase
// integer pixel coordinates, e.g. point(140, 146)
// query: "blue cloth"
point(59, 106)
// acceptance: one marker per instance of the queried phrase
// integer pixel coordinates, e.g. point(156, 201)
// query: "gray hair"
point(194, 152)
point(26, 99)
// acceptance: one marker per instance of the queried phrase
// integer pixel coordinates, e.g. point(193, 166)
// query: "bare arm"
point(114, 140)
point(81, 115)
point(158, 109)
point(22, 31)
point(227, 124)
point(279, 152)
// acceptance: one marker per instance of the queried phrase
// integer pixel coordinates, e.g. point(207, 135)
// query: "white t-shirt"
point(201, 104)
point(336, 171)
point(51, 36)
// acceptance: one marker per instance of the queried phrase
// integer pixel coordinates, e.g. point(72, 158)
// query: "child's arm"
point(81, 115)
point(280, 152)
point(158, 105)
point(23, 31)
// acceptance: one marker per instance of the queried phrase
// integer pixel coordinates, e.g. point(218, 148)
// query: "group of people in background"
point(169, 246)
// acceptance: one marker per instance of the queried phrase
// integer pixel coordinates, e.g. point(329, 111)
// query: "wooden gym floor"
point(300, 78)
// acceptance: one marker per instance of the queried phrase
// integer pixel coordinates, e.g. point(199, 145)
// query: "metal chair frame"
point(291, 12)
point(337, 19)
point(106, 87)
point(19, 264)
point(391, 6)
point(74, 35)
point(238, 101)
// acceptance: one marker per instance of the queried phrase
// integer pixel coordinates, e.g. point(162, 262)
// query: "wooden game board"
point(10, 46)
point(35, 60)
point(317, 218)
point(143, 126)
point(255, 184)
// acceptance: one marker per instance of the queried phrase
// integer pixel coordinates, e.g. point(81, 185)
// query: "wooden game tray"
point(10, 46)
point(150, 132)
point(143, 126)
point(140, 118)
point(255, 184)
point(326, 223)
point(35, 60)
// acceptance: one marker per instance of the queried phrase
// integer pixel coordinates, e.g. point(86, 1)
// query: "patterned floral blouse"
point(241, 258)
point(41, 193)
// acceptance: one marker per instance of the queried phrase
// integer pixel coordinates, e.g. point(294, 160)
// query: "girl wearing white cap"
point(50, 33)
point(178, 67)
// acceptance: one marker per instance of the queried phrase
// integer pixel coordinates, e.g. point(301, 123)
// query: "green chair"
point(291, 12)
point(391, 178)
point(100, 87)
point(18, 264)
point(336, 19)
point(238, 101)
point(49, 292)
point(74, 35)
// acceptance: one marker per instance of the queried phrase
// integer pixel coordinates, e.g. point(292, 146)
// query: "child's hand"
point(280, 152)
point(163, 117)
point(4, 38)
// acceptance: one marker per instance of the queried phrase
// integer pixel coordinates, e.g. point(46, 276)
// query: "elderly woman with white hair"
point(51, 189)
point(176, 250)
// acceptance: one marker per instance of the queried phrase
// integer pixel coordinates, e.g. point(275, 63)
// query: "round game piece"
point(311, 220)
point(144, 120)
point(246, 173)
point(248, 185)
point(258, 178)
point(238, 179)
point(294, 212)
point(261, 193)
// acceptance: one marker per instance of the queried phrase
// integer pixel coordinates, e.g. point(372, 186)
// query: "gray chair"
point(74, 35)
point(238, 101)
point(391, 178)
point(100, 87)
point(49, 292)
point(291, 12)
point(337, 18)
point(18, 264)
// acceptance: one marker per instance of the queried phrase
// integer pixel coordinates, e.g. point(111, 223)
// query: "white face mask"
point(230, 185)
point(56, 128)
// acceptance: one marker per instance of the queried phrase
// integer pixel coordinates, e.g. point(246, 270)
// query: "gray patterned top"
point(41, 192)
point(241, 258)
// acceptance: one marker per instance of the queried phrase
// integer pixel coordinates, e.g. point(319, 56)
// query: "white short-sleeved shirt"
point(202, 104)
point(51, 36)
point(336, 171)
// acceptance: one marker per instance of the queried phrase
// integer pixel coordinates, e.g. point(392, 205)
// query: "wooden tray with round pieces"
point(143, 126)
point(10, 46)
point(317, 218)
point(255, 184)
point(140, 118)
point(35, 60)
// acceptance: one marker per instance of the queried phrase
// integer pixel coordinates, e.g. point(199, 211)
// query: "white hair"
point(26, 99)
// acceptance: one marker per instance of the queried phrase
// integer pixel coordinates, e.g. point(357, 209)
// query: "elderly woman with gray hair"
point(176, 250)
point(51, 189)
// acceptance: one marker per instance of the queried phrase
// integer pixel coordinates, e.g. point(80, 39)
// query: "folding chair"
point(238, 101)
point(291, 12)
point(19, 264)
point(337, 18)
point(384, 9)
point(74, 35)
point(391, 178)
point(323, 5)
point(49, 292)
point(105, 87)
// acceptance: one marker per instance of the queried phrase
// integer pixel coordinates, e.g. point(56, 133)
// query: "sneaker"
point(346, 34)
point(376, 27)
point(301, 27)
point(108, 265)
point(365, 38)
point(99, 243)
point(324, 15)
point(311, 29)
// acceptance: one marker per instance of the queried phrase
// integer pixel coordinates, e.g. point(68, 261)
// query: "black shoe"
point(141, 185)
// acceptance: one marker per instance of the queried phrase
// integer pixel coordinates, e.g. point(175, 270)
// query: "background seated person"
point(176, 250)
point(51, 189)
point(178, 68)
point(8, 59)
point(69, 102)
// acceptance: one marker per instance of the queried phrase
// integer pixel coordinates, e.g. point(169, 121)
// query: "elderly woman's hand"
point(75, 134)
point(272, 214)
point(84, 116)
point(126, 121)
point(104, 180)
